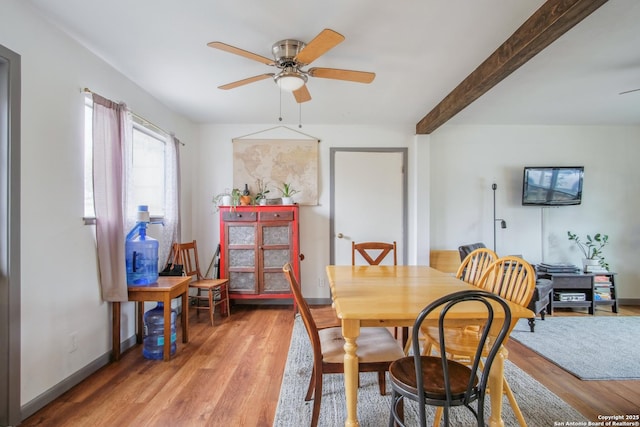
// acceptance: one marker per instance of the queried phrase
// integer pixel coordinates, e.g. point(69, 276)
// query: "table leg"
point(185, 316)
point(496, 376)
point(140, 322)
point(167, 329)
point(115, 330)
point(350, 331)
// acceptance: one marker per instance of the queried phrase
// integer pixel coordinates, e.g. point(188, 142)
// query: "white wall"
point(59, 286)
point(466, 160)
point(215, 173)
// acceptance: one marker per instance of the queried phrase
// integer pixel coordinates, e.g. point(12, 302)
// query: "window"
point(148, 171)
point(147, 166)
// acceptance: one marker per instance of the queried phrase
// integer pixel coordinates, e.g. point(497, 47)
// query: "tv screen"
point(552, 185)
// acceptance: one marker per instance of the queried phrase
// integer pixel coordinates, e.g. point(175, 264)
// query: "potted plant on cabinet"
point(287, 193)
point(227, 198)
point(591, 249)
point(261, 195)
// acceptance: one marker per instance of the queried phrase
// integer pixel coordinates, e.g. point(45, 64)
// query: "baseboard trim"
point(265, 301)
point(71, 381)
point(628, 301)
point(319, 301)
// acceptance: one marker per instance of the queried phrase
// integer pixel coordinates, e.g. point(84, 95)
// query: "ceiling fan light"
point(290, 81)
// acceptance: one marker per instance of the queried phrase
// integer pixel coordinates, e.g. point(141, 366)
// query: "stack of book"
point(595, 269)
point(601, 288)
point(557, 268)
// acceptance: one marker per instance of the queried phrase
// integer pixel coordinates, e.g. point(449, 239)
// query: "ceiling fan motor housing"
point(285, 51)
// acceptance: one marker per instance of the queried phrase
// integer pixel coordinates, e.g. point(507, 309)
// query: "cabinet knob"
point(301, 256)
point(277, 215)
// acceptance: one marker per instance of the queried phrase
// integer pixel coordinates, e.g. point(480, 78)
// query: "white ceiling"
point(419, 49)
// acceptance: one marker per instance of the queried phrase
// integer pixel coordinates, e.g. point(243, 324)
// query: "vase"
point(287, 200)
point(245, 200)
point(590, 262)
point(226, 200)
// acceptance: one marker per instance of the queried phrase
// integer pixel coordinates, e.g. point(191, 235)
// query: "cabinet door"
point(241, 257)
point(274, 250)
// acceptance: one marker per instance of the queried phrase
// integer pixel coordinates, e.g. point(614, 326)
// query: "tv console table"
point(587, 284)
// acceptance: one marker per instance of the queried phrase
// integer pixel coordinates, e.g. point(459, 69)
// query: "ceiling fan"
point(290, 56)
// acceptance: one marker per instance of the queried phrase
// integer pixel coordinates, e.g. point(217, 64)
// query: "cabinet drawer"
point(276, 216)
point(577, 282)
point(238, 216)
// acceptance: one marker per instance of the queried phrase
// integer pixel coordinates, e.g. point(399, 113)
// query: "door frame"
point(10, 83)
point(405, 194)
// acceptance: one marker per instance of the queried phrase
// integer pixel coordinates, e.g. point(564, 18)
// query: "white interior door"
point(369, 200)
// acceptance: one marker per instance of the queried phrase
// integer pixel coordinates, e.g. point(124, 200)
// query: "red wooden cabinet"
point(256, 241)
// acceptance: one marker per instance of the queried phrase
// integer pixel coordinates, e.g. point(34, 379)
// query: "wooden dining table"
point(366, 296)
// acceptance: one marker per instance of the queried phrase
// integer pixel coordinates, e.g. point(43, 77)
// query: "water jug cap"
point(143, 214)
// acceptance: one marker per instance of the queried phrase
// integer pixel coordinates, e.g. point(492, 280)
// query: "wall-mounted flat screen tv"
point(552, 185)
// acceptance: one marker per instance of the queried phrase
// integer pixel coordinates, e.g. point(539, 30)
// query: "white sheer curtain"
point(110, 132)
point(171, 229)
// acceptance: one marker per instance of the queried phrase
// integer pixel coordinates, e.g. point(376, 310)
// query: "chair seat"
point(403, 373)
point(374, 345)
point(208, 283)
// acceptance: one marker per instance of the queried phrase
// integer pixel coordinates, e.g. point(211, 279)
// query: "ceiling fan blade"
point(326, 40)
point(245, 81)
point(629, 91)
point(302, 94)
point(337, 74)
point(241, 52)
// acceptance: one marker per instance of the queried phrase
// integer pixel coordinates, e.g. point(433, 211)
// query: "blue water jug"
point(141, 255)
point(153, 343)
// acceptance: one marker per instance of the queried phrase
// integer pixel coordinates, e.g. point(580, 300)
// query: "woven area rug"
point(540, 407)
point(589, 347)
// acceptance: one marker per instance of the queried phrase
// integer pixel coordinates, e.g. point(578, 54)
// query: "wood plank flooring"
point(590, 398)
point(230, 374)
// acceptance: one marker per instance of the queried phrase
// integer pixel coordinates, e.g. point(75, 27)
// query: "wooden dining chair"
point(209, 292)
point(373, 252)
point(376, 349)
point(443, 382)
point(475, 264)
point(470, 271)
point(513, 279)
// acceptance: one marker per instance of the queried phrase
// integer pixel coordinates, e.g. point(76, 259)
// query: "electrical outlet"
point(321, 283)
point(73, 342)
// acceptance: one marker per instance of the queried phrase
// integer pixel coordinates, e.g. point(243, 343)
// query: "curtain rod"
point(142, 119)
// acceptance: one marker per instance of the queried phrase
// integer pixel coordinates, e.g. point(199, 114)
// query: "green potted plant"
point(227, 198)
point(287, 193)
point(261, 195)
point(591, 249)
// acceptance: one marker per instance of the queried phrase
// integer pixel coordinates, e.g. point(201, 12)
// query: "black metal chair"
point(438, 381)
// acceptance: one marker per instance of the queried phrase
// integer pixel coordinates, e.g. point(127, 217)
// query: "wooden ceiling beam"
point(547, 24)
